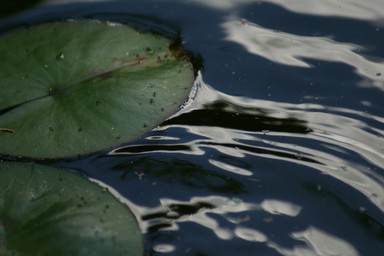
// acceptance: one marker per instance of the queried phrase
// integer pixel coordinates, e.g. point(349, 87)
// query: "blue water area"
point(279, 151)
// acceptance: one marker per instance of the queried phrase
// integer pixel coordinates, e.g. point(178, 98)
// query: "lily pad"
point(73, 88)
point(48, 211)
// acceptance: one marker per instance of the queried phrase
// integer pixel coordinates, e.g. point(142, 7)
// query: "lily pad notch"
point(74, 88)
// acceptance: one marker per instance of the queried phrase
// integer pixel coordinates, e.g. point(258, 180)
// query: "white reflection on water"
point(230, 168)
point(280, 207)
point(290, 49)
point(164, 248)
point(372, 10)
point(251, 235)
point(223, 206)
point(319, 243)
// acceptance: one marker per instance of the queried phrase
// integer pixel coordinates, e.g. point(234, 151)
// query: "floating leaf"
point(72, 88)
point(48, 211)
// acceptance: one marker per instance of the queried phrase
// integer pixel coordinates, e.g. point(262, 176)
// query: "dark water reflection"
point(280, 150)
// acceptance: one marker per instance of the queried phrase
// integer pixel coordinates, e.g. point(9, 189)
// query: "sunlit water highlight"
point(281, 149)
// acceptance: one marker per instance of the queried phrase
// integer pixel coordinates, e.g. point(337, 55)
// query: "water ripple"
point(355, 9)
point(289, 49)
point(340, 143)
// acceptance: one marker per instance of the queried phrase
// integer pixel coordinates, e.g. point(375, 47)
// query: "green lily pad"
point(73, 88)
point(48, 211)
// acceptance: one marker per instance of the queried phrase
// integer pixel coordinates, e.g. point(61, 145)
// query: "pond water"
point(280, 150)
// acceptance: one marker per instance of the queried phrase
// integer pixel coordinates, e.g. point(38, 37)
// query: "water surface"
point(280, 151)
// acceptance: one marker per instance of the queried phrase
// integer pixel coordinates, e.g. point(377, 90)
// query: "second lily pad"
point(72, 88)
point(47, 211)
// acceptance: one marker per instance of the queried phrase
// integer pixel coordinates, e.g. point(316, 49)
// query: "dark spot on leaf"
point(149, 51)
point(50, 129)
point(154, 94)
point(80, 129)
point(145, 125)
point(98, 102)
point(151, 101)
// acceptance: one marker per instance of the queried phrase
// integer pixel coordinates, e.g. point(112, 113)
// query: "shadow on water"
point(181, 172)
point(9, 7)
point(228, 115)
